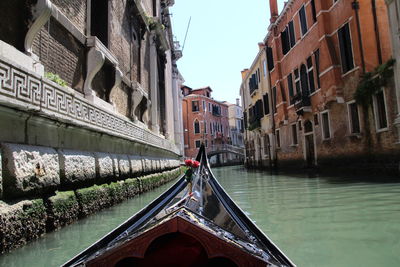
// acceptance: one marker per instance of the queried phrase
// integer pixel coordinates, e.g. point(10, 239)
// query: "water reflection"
point(322, 221)
point(316, 220)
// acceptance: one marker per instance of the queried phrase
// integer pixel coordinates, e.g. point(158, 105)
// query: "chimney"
point(261, 46)
point(273, 7)
point(237, 102)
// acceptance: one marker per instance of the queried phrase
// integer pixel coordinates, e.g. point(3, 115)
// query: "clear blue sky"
point(222, 40)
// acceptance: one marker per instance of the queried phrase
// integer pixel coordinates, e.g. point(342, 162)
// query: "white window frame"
point(375, 105)
point(329, 125)
point(350, 118)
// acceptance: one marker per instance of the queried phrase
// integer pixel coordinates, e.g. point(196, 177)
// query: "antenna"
point(187, 29)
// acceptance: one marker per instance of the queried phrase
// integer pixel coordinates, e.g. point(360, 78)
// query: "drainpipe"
point(377, 34)
point(356, 7)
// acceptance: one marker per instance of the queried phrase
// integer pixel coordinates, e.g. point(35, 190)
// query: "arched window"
point(196, 127)
point(308, 127)
point(304, 81)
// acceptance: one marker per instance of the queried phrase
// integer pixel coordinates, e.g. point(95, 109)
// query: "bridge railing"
point(226, 147)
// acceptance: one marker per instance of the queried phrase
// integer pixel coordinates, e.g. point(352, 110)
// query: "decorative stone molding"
point(24, 90)
point(41, 14)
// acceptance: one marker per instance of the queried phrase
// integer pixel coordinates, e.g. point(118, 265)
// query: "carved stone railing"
point(28, 91)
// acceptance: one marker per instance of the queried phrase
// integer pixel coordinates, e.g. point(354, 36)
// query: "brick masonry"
point(337, 88)
point(61, 54)
point(75, 11)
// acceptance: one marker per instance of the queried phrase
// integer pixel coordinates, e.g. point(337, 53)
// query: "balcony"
point(302, 103)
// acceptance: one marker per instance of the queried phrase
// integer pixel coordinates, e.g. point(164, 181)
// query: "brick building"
point(204, 120)
point(319, 53)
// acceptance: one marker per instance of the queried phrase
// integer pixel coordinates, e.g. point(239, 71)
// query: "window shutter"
point(270, 59)
point(292, 34)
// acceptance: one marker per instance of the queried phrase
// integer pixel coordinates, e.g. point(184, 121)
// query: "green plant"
point(55, 78)
point(372, 82)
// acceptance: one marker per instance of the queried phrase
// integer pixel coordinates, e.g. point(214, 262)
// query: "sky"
point(222, 40)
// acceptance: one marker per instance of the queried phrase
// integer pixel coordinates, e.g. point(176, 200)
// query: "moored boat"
point(195, 224)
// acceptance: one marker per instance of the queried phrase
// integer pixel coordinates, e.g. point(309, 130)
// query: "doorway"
point(309, 144)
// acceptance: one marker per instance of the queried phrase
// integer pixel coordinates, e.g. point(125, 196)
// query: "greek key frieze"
point(19, 86)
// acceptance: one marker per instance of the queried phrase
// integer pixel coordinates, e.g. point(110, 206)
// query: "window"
point(314, 11)
point(197, 143)
point(305, 89)
point(379, 105)
point(204, 106)
point(195, 106)
point(278, 138)
point(316, 58)
point(265, 68)
point(297, 81)
point(270, 58)
point(316, 121)
point(266, 144)
point(294, 134)
point(303, 20)
point(326, 131)
point(266, 104)
point(292, 35)
point(99, 22)
point(354, 119)
point(285, 41)
point(300, 127)
point(310, 71)
point(290, 88)
point(211, 129)
point(205, 127)
point(206, 143)
point(346, 52)
point(288, 38)
point(209, 107)
point(196, 127)
point(253, 83)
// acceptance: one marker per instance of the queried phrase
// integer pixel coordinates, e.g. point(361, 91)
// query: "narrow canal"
point(319, 221)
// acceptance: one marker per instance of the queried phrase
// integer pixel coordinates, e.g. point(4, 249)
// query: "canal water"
point(316, 221)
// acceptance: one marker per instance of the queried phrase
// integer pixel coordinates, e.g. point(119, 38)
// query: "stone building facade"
point(85, 83)
point(205, 120)
point(322, 61)
point(235, 116)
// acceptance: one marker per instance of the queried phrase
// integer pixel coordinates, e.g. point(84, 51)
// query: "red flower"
point(189, 162)
point(195, 164)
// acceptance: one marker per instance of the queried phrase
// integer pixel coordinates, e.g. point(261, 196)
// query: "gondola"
point(196, 226)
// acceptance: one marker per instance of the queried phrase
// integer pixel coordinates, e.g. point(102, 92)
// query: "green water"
point(321, 221)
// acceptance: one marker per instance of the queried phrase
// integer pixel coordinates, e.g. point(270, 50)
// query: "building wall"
point(337, 87)
point(212, 139)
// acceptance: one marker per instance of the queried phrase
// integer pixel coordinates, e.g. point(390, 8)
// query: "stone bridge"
point(220, 149)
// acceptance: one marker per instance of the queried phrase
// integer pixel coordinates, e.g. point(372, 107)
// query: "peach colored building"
point(204, 120)
point(318, 52)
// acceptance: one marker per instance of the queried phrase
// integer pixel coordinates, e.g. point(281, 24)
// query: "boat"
point(191, 224)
